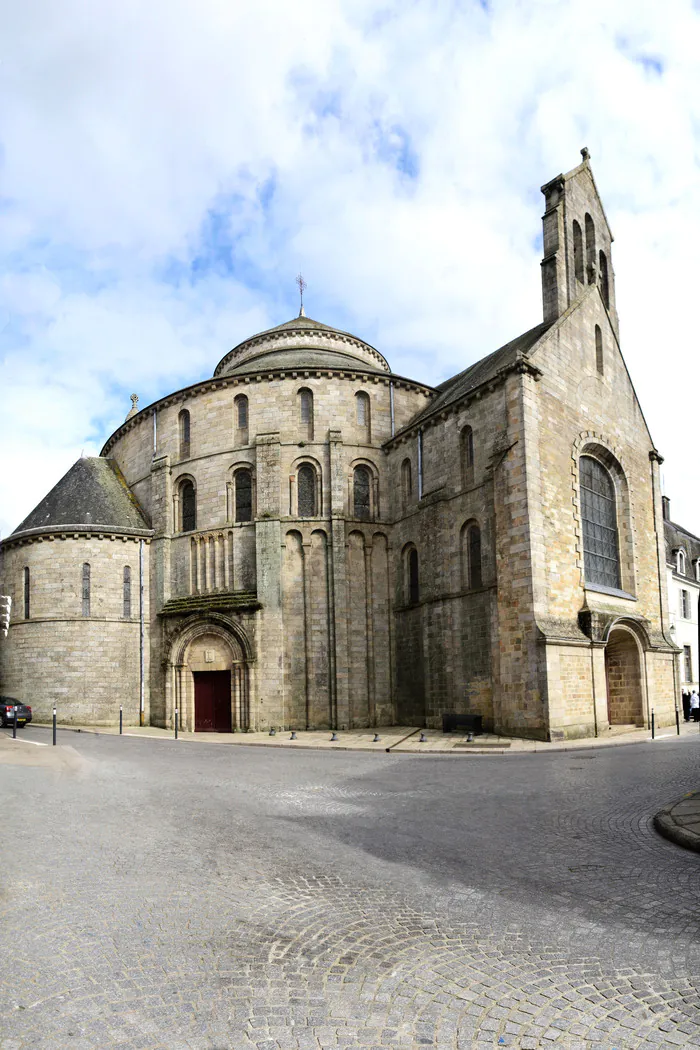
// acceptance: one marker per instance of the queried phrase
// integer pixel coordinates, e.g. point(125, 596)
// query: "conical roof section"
point(304, 344)
point(92, 493)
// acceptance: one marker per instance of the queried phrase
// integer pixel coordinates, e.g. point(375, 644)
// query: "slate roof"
point(676, 536)
point(303, 358)
point(481, 371)
point(92, 493)
point(299, 323)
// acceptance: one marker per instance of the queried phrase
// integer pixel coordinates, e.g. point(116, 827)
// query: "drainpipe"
point(141, 636)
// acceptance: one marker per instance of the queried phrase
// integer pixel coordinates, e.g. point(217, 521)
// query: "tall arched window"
point(590, 248)
point(306, 412)
point(680, 562)
point(86, 589)
point(240, 408)
point(26, 592)
point(243, 483)
point(599, 363)
point(604, 280)
point(406, 483)
point(362, 410)
point(306, 491)
point(184, 429)
point(188, 506)
point(411, 575)
point(578, 253)
point(361, 487)
point(471, 556)
point(126, 593)
point(599, 518)
point(467, 453)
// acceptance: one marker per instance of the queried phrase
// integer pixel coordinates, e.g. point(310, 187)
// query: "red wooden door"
point(212, 701)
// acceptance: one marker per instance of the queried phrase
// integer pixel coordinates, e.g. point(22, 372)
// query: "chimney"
point(666, 508)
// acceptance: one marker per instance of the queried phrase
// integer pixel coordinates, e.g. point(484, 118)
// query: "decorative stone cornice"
point(75, 532)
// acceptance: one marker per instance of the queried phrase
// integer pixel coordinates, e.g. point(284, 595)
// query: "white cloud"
point(395, 153)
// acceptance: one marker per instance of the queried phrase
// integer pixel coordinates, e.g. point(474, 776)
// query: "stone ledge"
point(240, 600)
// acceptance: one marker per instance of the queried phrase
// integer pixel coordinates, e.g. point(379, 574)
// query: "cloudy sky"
point(167, 168)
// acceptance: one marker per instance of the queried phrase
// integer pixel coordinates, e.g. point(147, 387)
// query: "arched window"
point(306, 412)
point(471, 556)
point(590, 248)
point(361, 487)
point(412, 581)
point(467, 452)
point(406, 483)
point(126, 593)
point(362, 409)
point(599, 518)
point(680, 562)
point(184, 428)
point(604, 280)
point(86, 589)
point(26, 592)
point(306, 491)
point(188, 506)
point(578, 253)
point(599, 363)
point(243, 483)
point(240, 409)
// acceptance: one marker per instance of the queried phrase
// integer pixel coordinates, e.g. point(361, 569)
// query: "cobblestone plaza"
point(183, 896)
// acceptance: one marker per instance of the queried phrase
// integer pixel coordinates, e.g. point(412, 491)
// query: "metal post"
point(678, 724)
point(652, 723)
point(54, 726)
point(121, 719)
point(176, 714)
point(141, 632)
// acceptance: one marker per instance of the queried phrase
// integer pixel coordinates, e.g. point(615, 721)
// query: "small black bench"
point(470, 723)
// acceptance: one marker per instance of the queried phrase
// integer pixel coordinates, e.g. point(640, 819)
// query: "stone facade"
point(328, 544)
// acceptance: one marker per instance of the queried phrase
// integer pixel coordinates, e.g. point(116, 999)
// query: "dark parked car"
point(7, 711)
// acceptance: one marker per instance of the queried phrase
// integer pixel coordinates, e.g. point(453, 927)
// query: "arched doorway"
point(209, 679)
point(623, 675)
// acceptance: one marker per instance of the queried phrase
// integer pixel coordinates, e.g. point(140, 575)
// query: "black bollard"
point(54, 726)
point(272, 731)
point(176, 715)
point(678, 724)
point(334, 736)
point(376, 738)
point(294, 735)
point(121, 719)
point(423, 738)
point(14, 723)
point(652, 723)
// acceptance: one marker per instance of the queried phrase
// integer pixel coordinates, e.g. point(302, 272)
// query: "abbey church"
point(309, 540)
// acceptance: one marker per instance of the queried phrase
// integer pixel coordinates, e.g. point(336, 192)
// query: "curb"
point(666, 825)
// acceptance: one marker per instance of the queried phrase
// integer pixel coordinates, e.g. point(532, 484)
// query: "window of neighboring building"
point(467, 452)
point(578, 253)
point(406, 483)
point(306, 412)
point(362, 410)
point(306, 491)
point(604, 279)
point(361, 487)
point(413, 586)
point(26, 592)
point(599, 363)
point(697, 569)
point(680, 562)
point(184, 429)
point(188, 506)
point(243, 483)
point(685, 604)
point(126, 593)
point(599, 519)
point(687, 664)
point(86, 589)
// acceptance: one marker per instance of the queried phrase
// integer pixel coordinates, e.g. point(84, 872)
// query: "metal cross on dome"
point(302, 288)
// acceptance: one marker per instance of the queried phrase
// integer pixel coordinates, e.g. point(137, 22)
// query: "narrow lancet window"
point(306, 491)
point(361, 486)
point(184, 427)
point(126, 593)
point(599, 363)
point(86, 589)
point(188, 500)
point(243, 481)
point(27, 582)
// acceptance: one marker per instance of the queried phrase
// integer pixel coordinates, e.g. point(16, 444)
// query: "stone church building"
point(309, 540)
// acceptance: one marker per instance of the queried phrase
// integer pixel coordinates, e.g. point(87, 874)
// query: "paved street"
point(161, 895)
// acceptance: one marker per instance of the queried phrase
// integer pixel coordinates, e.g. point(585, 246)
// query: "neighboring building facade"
point(683, 581)
point(324, 543)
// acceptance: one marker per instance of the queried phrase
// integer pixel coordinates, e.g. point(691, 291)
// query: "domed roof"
point(301, 343)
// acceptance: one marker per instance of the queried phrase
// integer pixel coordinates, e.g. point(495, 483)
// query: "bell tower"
point(577, 243)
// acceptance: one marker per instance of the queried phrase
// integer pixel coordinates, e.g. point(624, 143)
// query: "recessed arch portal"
point(209, 677)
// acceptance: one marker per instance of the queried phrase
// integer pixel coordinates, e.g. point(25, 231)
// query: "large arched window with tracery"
point(601, 554)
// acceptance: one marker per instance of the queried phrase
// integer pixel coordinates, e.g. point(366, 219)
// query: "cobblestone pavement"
point(156, 895)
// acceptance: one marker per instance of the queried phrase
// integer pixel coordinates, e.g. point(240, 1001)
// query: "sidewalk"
point(680, 822)
point(402, 739)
